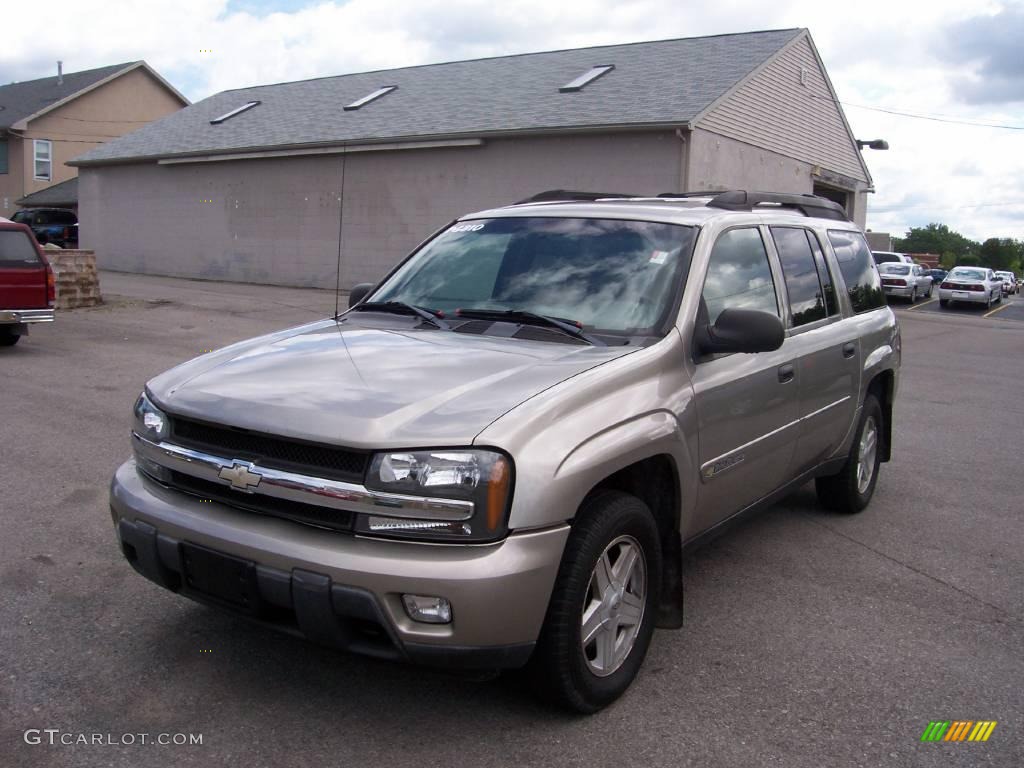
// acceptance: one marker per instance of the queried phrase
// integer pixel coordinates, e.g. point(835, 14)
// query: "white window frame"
point(36, 143)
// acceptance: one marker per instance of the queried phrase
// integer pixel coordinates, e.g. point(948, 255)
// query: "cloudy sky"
point(961, 64)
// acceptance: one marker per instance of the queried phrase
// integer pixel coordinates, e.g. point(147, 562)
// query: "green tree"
point(1002, 253)
point(935, 238)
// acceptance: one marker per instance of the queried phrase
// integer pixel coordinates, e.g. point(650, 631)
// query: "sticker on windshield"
point(466, 228)
point(659, 257)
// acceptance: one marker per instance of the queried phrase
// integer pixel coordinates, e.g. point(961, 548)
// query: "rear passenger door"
point(827, 348)
point(746, 404)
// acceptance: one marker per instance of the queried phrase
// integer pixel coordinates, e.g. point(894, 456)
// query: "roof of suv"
point(684, 208)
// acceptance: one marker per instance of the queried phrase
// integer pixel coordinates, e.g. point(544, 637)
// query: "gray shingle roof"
point(65, 193)
point(669, 81)
point(21, 100)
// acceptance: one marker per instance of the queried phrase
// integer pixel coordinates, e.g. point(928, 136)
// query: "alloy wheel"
point(613, 608)
point(866, 452)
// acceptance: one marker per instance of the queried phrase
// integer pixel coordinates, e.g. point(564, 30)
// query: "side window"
point(863, 285)
point(738, 274)
point(824, 274)
point(806, 297)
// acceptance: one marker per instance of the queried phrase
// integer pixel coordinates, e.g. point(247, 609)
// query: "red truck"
point(27, 286)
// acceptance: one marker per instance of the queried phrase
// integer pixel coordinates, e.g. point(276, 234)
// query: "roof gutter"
point(334, 150)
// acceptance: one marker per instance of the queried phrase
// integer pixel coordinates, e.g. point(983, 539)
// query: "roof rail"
point(566, 195)
point(809, 205)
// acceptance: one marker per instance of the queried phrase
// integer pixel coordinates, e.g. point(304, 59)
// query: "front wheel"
point(851, 489)
point(603, 607)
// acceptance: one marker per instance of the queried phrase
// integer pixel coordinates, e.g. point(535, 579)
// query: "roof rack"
point(741, 200)
point(567, 195)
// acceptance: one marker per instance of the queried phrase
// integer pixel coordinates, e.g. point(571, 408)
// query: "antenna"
point(341, 221)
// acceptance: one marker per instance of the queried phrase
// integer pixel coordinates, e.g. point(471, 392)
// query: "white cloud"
point(878, 53)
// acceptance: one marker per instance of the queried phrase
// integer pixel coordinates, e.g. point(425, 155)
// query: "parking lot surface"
point(810, 639)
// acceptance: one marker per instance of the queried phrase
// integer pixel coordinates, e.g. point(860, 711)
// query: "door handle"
point(786, 373)
point(850, 349)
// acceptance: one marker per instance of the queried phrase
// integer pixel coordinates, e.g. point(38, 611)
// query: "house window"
point(41, 150)
point(3, 155)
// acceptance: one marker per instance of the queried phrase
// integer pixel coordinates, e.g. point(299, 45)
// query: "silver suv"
point(498, 455)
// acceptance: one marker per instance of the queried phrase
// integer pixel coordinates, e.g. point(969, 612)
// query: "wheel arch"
point(883, 387)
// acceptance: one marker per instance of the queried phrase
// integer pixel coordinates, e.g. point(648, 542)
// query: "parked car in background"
point(57, 226)
point(1009, 282)
point(882, 257)
point(27, 286)
point(973, 285)
point(496, 454)
point(938, 275)
point(908, 281)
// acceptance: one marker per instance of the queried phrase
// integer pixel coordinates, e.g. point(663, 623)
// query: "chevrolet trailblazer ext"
point(496, 455)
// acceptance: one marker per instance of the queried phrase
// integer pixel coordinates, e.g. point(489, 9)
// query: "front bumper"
point(345, 591)
point(23, 316)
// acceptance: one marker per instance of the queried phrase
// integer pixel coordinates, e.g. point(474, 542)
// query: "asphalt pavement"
point(810, 638)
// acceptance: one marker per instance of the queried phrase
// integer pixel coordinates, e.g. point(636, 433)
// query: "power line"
point(934, 118)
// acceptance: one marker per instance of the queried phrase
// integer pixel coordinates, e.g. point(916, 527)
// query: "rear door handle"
point(850, 349)
point(786, 373)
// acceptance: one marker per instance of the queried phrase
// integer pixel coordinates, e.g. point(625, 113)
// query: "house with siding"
point(46, 122)
point(269, 184)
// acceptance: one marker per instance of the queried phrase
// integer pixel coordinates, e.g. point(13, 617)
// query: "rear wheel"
point(603, 607)
point(913, 295)
point(944, 302)
point(852, 488)
point(8, 338)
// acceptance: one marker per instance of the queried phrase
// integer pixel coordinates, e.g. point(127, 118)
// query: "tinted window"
point(806, 298)
point(738, 275)
point(824, 274)
point(611, 276)
point(894, 269)
point(47, 218)
point(863, 285)
point(969, 274)
point(17, 249)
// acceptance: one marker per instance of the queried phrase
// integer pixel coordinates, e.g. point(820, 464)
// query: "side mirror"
point(358, 293)
point(741, 330)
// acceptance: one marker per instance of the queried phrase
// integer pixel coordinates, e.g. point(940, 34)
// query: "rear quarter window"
point(17, 249)
point(857, 266)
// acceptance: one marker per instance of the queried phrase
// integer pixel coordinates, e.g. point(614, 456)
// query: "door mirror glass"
point(741, 330)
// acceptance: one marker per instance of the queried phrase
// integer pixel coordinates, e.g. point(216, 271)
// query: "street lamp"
point(873, 144)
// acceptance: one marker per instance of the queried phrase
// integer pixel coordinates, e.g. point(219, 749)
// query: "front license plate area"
point(222, 578)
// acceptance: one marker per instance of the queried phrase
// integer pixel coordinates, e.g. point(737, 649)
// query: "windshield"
point(894, 269)
point(971, 274)
point(608, 275)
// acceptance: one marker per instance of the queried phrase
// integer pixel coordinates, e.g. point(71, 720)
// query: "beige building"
point(46, 122)
point(269, 184)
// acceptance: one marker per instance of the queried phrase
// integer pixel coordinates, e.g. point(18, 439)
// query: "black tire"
point(560, 664)
point(913, 295)
point(843, 491)
point(8, 338)
point(929, 294)
point(944, 303)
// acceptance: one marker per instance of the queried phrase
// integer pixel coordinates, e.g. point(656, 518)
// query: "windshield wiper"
point(532, 318)
point(400, 307)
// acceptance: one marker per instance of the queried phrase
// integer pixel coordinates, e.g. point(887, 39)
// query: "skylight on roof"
point(371, 97)
point(233, 112)
point(587, 77)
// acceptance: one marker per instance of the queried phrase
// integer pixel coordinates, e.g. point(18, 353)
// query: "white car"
point(884, 257)
point(974, 285)
point(1009, 282)
point(907, 281)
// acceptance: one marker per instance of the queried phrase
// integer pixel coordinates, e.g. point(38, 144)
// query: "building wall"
point(277, 220)
point(12, 183)
point(123, 105)
point(718, 162)
point(788, 108)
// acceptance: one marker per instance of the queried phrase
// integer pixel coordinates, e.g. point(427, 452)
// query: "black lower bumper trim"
point(307, 604)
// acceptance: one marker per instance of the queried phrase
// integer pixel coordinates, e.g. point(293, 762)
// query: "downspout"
point(684, 157)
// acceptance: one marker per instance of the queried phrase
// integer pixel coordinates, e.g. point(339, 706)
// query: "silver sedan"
point(975, 285)
point(907, 281)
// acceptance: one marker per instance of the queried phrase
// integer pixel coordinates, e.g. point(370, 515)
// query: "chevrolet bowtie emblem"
point(240, 476)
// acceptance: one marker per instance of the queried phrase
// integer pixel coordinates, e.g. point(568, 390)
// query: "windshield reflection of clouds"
point(607, 274)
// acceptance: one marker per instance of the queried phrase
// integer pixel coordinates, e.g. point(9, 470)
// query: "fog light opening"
point(427, 609)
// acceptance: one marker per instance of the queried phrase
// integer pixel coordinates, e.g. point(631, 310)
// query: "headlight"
point(478, 476)
point(150, 422)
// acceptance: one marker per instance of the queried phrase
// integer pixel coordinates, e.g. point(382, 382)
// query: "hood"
point(364, 386)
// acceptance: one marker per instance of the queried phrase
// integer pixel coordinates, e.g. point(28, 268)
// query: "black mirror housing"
point(358, 293)
point(741, 330)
